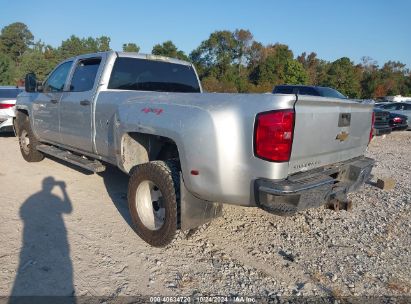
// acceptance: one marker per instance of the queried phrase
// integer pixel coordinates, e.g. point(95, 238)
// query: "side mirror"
point(30, 82)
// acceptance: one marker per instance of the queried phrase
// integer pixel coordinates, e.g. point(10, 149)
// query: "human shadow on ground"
point(45, 267)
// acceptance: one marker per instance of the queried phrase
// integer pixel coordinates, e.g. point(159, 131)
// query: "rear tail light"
point(6, 106)
point(372, 126)
point(397, 119)
point(274, 135)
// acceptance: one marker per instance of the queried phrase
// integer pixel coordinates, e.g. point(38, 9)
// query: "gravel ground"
point(88, 248)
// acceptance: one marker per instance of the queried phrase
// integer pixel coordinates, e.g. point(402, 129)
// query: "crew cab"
point(188, 152)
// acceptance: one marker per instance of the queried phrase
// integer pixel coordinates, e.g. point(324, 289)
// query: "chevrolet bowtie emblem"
point(342, 136)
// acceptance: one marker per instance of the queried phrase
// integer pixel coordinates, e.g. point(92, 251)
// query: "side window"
point(390, 107)
point(403, 106)
point(84, 75)
point(56, 81)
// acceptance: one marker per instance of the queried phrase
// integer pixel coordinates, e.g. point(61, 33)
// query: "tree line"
point(227, 61)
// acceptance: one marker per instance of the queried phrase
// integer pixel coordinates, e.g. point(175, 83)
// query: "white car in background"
point(8, 95)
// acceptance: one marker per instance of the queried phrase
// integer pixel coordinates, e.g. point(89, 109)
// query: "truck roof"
point(134, 55)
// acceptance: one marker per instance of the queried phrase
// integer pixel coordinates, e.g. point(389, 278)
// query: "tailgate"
point(328, 130)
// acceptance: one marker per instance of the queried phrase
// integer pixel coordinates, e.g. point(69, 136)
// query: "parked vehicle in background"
point(381, 122)
point(8, 96)
point(380, 104)
point(381, 118)
point(186, 151)
point(308, 90)
point(403, 108)
point(398, 121)
point(397, 98)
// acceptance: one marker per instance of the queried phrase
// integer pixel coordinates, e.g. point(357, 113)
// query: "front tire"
point(153, 199)
point(27, 141)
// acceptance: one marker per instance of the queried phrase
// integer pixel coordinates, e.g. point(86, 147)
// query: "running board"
point(92, 165)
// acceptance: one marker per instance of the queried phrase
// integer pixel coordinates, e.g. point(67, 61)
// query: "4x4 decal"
point(152, 110)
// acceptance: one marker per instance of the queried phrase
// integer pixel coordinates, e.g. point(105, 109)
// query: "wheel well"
point(23, 111)
point(139, 148)
point(15, 122)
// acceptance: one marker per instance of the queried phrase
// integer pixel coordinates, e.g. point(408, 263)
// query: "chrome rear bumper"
point(313, 188)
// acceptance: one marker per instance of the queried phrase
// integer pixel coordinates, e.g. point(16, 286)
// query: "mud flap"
point(194, 211)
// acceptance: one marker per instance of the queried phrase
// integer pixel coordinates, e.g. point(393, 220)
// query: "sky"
point(380, 29)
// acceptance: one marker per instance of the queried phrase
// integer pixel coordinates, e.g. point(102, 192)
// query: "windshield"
point(149, 75)
point(328, 92)
point(308, 90)
point(10, 93)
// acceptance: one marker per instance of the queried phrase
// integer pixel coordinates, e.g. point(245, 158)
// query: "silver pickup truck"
point(188, 152)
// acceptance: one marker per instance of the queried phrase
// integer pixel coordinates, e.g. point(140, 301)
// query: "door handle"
point(54, 101)
point(85, 102)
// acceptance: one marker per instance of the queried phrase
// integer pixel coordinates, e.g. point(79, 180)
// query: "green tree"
point(34, 61)
point(254, 54)
point(408, 83)
point(15, 39)
point(271, 69)
point(226, 62)
point(6, 70)
point(294, 73)
point(212, 84)
point(313, 67)
point(131, 47)
point(393, 75)
point(244, 41)
point(343, 76)
point(371, 78)
point(71, 47)
point(76, 46)
point(103, 44)
point(215, 55)
point(168, 49)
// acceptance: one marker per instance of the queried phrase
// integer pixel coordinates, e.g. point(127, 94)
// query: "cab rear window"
point(150, 75)
point(283, 90)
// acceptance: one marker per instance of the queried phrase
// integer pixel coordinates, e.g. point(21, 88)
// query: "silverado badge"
point(342, 136)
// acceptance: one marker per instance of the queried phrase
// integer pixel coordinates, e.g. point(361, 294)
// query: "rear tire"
point(153, 199)
point(27, 141)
